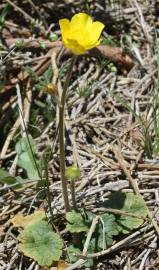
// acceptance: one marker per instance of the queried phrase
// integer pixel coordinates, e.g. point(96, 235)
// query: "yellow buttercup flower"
point(81, 33)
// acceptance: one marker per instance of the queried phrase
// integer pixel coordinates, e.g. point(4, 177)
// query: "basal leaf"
point(110, 225)
point(76, 222)
point(71, 252)
point(104, 240)
point(130, 204)
point(40, 243)
point(22, 221)
point(92, 248)
point(107, 228)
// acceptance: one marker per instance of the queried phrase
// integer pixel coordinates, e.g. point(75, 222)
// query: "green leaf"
point(107, 228)
point(104, 240)
point(47, 76)
point(131, 204)
point(64, 70)
point(72, 251)
point(6, 178)
point(110, 226)
point(45, 79)
point(76, 222)
point(20, 220)
point(31, 73)
point(88, 218)
point(92, 248)
point(40, 243)
point(26, 157)
point(110, 41)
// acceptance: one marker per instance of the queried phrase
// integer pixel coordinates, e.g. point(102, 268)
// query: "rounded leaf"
point(40, 243)
point(76, 222)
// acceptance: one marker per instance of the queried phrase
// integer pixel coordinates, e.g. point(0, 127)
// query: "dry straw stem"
point(26, 15)
point(116, 55)
point(61, 135)
point(39, 14)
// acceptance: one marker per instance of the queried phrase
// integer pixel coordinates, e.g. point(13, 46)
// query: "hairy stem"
point(62, 135)
point(72, 186)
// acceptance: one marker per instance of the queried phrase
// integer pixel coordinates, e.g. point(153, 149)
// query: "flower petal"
point(96, 30)
point(76, 47)
point(64, 26)
point(80, 21)
point(81, 33)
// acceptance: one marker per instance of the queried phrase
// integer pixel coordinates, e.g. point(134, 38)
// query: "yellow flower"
point(81, 33)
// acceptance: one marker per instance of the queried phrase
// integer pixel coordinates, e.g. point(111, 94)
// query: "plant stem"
point(62, 135)
point(72, 186)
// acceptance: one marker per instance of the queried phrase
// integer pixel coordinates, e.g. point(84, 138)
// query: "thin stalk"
point(72, 186)
point(62, 135)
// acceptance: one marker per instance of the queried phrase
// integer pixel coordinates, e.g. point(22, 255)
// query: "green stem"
point(72, 186)
point(62, 135)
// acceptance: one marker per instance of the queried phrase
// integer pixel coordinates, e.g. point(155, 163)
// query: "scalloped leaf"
point(131, 204)
point(107, 228)
point(104, 240)
point(76, 222)
point(20, 220)
point(110, 225)
point(40, 243)
point(72, 251)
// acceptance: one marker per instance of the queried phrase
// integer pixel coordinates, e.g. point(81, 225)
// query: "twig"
point(121, 161)
point(149, 250)
point(20, 108)
point(39, 14)
point(20, 10)
point(142, 21)
point(116, 55)
point(9, 138)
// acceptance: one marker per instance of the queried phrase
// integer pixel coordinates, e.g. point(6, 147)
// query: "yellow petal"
point(64, 26)
point(81, 33)
point(96, 30)
point(80, 21)
point(76, 47)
